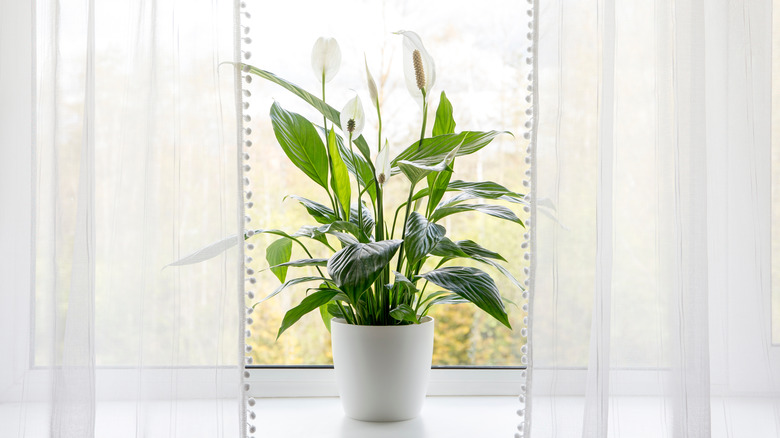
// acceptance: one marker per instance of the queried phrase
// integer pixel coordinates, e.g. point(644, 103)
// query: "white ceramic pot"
point(382, 372)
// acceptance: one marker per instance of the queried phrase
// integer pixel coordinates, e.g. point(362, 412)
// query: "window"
point(479, 52)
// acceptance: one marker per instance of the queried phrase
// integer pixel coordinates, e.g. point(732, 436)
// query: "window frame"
point(320, 381)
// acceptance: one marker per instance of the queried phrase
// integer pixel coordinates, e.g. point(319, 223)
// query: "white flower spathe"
point(419, 68)
point(353, 112)
point(372, 90)
point(325, 59)
point(383, 172)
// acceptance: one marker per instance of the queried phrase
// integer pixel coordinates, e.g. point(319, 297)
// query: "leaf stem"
point(403, 233)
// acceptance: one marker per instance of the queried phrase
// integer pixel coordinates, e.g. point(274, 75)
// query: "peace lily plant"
point(375, 276)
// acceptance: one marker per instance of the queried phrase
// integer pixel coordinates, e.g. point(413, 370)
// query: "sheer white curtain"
point(128, 162)
point(651, 291)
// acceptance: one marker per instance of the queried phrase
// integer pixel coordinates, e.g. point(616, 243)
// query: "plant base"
point(382, 372)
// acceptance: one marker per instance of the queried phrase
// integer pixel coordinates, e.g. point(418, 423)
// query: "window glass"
point(479, 53)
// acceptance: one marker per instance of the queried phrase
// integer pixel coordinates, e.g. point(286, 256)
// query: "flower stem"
point(403, 233)
point(327, 153)
point(360, 197)
point(424, 119)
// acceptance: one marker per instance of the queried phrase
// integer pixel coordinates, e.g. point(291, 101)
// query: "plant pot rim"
point(425, 320)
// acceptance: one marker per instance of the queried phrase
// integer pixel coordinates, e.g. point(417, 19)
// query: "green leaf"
point(344, 238)
point(288, 283)
point(442, 297)
point(301, 263)
point(310, 232)
point(336, 228)
point(339, 179)
point(311, 302)
point(358, 166)
point(498, 211)
point(326, 110)
point(301, 143)
point(472, 190)
point(421, 237)
point(500, 269)
point(404, 282)
point(437, 189)
point(335, 311)
point(368, 222)
point(404, 312)
point(474, 249)
point(446, 248)
point(417, 171)
point(356, 266)
point(277, 253)
point(444, 123)
point(473, 285)
point(487, 190)
point(325, 315)
point(433, 150)
point(319, 212)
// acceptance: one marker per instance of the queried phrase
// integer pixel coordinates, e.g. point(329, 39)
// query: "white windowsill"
point(291, 382)
point(441, 417)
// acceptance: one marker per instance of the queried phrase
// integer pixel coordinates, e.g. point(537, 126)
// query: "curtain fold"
point(652, 295)
point(136, 164)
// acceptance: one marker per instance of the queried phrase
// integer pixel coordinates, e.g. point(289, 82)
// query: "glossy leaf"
point(498, 211)
point(326, 110)
point(446, 248)
point(334, 310)
point(300, 142)
point(437, 188)
point(301, 263)
point(358, 166)
point(444, 123)
point(277, 253)
point(311, 302)
point(404, 312)
point(416, 171)
point(474, 249)
point(319, 212)
point(325, 315)
point(407, 284)
point(433, 150)
point(344, 238)
point(339, 178)
point(355, 267)
point(471, 284)
point(500, 269)
point(368, 220)
point(335, 228)
point(487, 190)
point(421, 237)
point(442, 297)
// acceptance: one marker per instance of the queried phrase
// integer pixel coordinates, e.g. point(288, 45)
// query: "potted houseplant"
point(377, 287)
point(385, 274)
